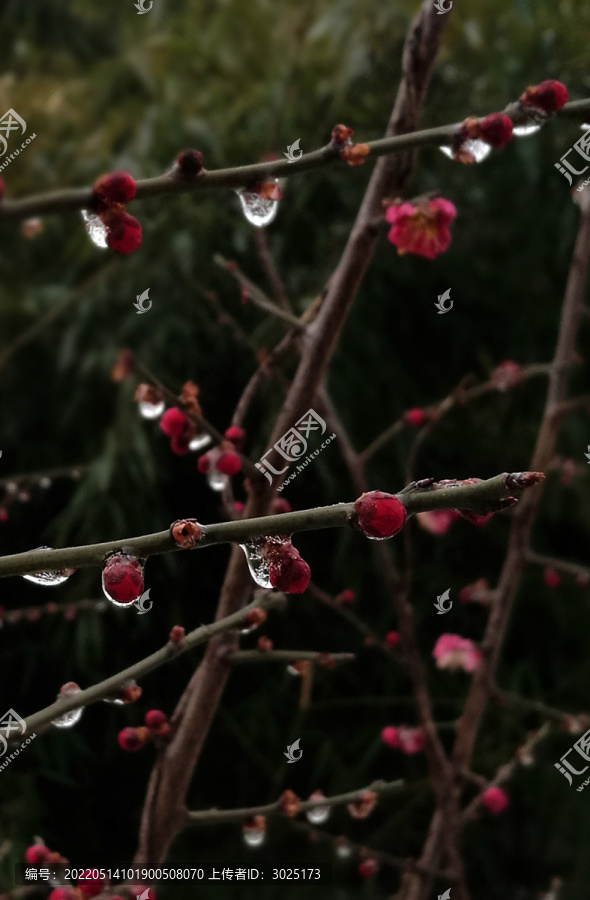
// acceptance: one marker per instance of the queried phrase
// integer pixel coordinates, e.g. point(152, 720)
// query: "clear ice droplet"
point(525, 130)
point(259, 567)
point(151, 410)
point(254, 837)
point(199, 441)
point(217, 480)
point(318, 815)
point(258, 210)
point(343, 850)
point(45, 482)
point(95, 228)
point(49, 579)
point(69, 719)
point(480, 150)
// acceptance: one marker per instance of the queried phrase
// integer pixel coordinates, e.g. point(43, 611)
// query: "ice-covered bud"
point(229, 462)
point(124, 234)
point(506, 375)
point(341, 134)
point(122, 578)
point(379, 515)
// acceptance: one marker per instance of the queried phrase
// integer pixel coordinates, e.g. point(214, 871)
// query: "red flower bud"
point(176, 634)
point(155, 719)
point(379, 515)
point(229, 463)
point(37, 855)
point(495, 129)
point(256, 616)
point(363, 805)
point(392, 638)
point(123, 232)
point(173, 422)
point(122, 577)
point(289, 803)
point(341, 134)
point(281, 505)
point(415, 416)
point(186, 533)
point(354, 155)
point(124, 365)
point(117, 187)
point(131, 739)
point(189, 163)
point(551, 577)
point(236, 435)
point(368, 867)
point(290, 575)
point(549, 96)
point(345, 596)
point(204, 463)
point(264, 644)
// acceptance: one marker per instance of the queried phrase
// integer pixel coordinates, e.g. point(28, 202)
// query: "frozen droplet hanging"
point(49, 579)
point(95, 228)
point(199, 441)
point(319, 814)
point(122, 578)
point(69, 719)
point(258, 210)
point(151, 410)
point(259, 567)
point(479, 150)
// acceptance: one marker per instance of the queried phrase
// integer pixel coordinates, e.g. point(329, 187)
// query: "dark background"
point(104, 88)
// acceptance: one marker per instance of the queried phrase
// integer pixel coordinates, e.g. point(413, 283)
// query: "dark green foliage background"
point(104, 88)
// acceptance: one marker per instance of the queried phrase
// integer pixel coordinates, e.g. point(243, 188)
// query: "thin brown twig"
point(215, 816)
point(269, 266)
point(244, 176)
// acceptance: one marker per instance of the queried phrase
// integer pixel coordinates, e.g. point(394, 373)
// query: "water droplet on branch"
point(259, 567)
point(49, 579)
point(525, 130)
point(69, 719)
point(151, 410)
point(258, 210)
point(254, 837)
point(95, 228)
point(199, 441)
